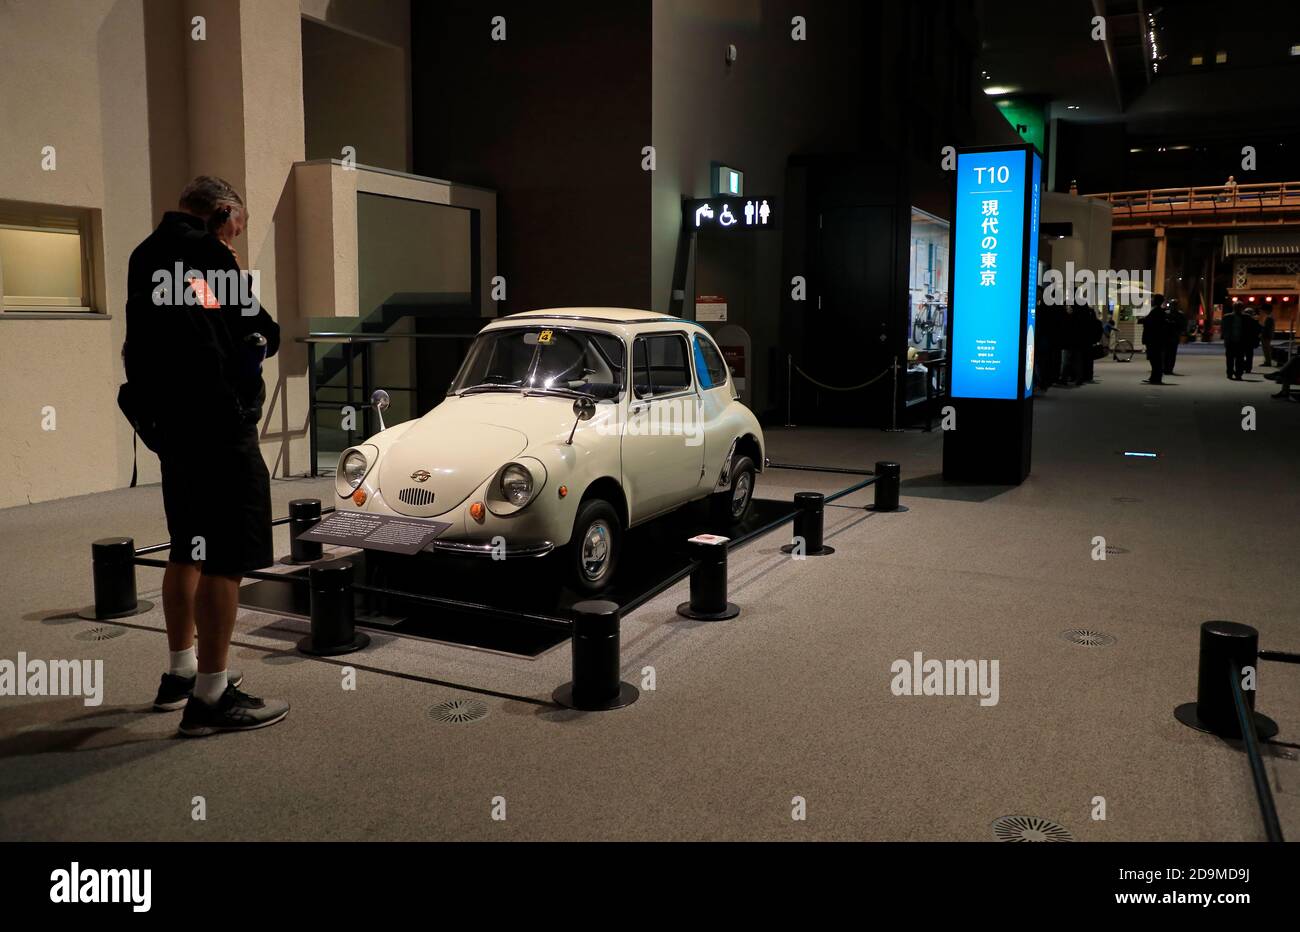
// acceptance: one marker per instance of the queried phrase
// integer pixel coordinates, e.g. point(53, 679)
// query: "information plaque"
point(390, 533)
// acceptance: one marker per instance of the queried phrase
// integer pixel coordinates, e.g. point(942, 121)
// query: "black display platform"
point(653, 553)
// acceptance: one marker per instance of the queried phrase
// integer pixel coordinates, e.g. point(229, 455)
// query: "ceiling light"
point(997, 90)
point(1071, 106)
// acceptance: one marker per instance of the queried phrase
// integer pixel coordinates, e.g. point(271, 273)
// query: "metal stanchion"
point(808, 525)
point(595, 686)
point(304, 514)
point(893, 427)
point(789, 387)
point(1214, 711)
point(888, 481)
point(112, 564)
point(333, 619)
point(709, 582)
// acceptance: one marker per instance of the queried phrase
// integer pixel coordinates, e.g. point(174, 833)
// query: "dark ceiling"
point(1180, 85)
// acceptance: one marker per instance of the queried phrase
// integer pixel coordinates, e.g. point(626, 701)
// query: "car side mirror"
point(380, 401)
point(584, 409)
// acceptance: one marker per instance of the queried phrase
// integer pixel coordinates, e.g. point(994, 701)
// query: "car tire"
point(594, 549)
point(728, 507)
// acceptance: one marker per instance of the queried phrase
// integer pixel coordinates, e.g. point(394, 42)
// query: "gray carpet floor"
point(791, 699)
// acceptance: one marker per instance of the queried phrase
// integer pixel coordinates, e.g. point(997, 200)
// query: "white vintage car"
point(550, 439)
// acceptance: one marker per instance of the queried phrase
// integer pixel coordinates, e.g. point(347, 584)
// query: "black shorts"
point(217, 496)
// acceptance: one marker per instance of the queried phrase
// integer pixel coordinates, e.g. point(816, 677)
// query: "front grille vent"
point(417, 497)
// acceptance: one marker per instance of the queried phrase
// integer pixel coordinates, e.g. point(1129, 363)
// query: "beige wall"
point(328, 229)
point(385, 25)
point(133, 108)
point(354, 94)
point(73, 77)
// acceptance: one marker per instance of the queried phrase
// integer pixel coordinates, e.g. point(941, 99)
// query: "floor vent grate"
point(1116, 550)
point(459, 711)
point(100, 633)
point(1029, 828)
point(1088, 638)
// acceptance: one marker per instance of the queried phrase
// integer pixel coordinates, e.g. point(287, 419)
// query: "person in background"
point(1233, 330)
point(1093, 334)
point(1108, 331)
point(1251, 340)
point(1287, 375)
point(1177, 321)
point(1267, 327)
point(1230, 187)
point(1155, 328)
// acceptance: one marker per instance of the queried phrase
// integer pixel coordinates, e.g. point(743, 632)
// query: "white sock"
point(209, 687)
point(183, 663)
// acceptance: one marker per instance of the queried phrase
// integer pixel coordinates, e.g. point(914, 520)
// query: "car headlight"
point(353, 468)
point(516, 485)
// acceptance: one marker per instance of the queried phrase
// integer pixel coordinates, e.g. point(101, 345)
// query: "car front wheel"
point(594, 547)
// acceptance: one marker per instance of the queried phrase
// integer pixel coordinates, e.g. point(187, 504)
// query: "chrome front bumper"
point(486, 550)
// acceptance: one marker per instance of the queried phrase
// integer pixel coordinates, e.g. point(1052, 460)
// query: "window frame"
point(707, 338)
point(58, 219)
point(690, 389)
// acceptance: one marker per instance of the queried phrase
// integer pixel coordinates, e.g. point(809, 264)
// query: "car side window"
point(670, 366)
point(709, 365)
point(640, 370)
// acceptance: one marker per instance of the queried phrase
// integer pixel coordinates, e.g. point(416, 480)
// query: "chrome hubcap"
point(595, 550)
point(740, 493)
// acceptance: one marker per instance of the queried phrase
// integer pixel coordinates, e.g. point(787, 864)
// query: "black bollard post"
point(709, 581)
point(333, 618)
point(596, 686)
point(888, 480)
point(304, 514)
point(1224, 643)
point(808, 525)
point(112, 567)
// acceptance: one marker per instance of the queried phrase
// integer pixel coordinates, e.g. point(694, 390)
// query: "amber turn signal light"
point(564, 490)
point(476, 511)
point(359, 496)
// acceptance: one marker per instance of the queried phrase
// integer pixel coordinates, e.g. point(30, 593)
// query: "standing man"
point(195, 339)
point(1154, 337)
point(1177, 321)
point(1266, 329)
point(1233, 329)
point(1251, 340)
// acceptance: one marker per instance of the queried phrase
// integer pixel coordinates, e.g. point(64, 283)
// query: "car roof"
point(622, 318)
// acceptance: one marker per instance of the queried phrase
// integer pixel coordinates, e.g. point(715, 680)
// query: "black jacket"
point(189, 363)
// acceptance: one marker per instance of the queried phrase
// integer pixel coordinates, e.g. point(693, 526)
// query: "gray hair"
point(207, 194)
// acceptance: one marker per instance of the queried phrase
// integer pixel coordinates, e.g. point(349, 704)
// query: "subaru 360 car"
point(563, 429)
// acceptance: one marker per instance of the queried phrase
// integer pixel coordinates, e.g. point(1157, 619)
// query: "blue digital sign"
point(1031, 284)
point(990, 288)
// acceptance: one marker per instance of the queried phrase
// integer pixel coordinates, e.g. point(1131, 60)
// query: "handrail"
point(1267, 808)
point(1254, 195)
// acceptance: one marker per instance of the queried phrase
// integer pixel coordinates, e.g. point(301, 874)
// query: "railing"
point(1205, 199)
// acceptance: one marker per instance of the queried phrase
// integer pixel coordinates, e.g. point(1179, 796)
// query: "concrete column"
point(1161, 248)
point(244, 116)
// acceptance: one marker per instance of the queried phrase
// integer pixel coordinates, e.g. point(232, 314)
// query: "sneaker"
point(234, 711)
point(174, 691)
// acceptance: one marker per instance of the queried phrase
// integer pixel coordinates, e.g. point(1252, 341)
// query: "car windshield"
point(543, 360)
